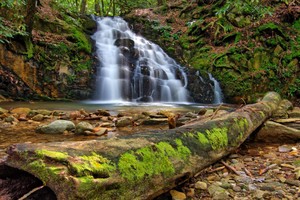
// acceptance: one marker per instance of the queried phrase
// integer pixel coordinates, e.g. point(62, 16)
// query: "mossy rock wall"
point(139, 166)
point(56, 60)
point(250, 48)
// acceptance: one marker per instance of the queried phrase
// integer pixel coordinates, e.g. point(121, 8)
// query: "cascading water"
point(218, 95)
point(132, 68)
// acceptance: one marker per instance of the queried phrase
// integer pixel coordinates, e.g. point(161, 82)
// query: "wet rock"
point(191, 115)
point(44, 112)
point(202, 111)
point(123, 121)
point(103, 112)
point(56, 127)
point(201, 185)
point(177, 195)
point(106, 124)
point(38, 117)
point(100, 131)
point(81, 127)
point(155, 121)
point(11, 119)
point(97, 132)
point(20, 111)
point(83, 112)
point(74, 115)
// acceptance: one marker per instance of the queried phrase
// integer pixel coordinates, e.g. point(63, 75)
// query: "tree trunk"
point(139, 166)
point(83, 7)
point(97, 7)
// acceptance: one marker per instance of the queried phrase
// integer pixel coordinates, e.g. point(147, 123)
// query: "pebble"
point(237, 188)
point(248, 159)
point(176, 195)
point(201, 185)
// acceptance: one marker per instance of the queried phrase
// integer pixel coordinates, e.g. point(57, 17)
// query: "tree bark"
point(97, 7)
point(139, 166)
point(83, 7)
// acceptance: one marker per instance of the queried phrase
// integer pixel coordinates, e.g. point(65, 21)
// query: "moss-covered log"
point(138, 166)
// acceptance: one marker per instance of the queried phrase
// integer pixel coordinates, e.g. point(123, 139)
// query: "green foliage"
point(83, 44)
point(11, 3)
point(9, 31)
point(253, 8)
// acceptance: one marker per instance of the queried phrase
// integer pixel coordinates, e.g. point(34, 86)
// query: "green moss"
point(183, 151)
point(83, 44)
point(42, 171)
point(149, 161)
point(94, 165)
point(58, 156)
point(202, 139)
point(29, 47)
point(241, 125)
point(217, 137)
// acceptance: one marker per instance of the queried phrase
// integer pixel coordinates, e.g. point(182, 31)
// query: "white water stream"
point(139, 71)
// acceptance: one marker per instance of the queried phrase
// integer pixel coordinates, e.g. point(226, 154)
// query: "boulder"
point(81, 127)
point(56, 127)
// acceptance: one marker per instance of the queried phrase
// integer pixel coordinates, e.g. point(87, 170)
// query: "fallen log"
point(140, 166)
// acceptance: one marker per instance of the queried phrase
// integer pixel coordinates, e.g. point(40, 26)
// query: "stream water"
point(24, 131)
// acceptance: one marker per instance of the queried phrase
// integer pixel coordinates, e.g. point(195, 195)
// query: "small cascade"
point(132, 68)
point(218, 95)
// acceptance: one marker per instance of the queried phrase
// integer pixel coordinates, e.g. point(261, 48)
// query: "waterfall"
point(218, 95)
point(132, 68)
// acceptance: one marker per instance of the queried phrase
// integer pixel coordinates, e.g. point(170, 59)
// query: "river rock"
point(218, 192)
point(2, 111)
point(11, 119)
point(275, 132)
point(201, 185)
point(81, 127)
point(56, 127)
point(38, 117)
point(123, 121)
point(44, 112)
point(155, 121)
point(177, 195)
point(74, 115)
point(103, 112)
point(20, 111)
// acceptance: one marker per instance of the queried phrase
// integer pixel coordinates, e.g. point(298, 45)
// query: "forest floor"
point(255, 171)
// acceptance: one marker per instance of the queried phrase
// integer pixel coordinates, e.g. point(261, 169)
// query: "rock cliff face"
point(55, 62)
point(249, 47)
